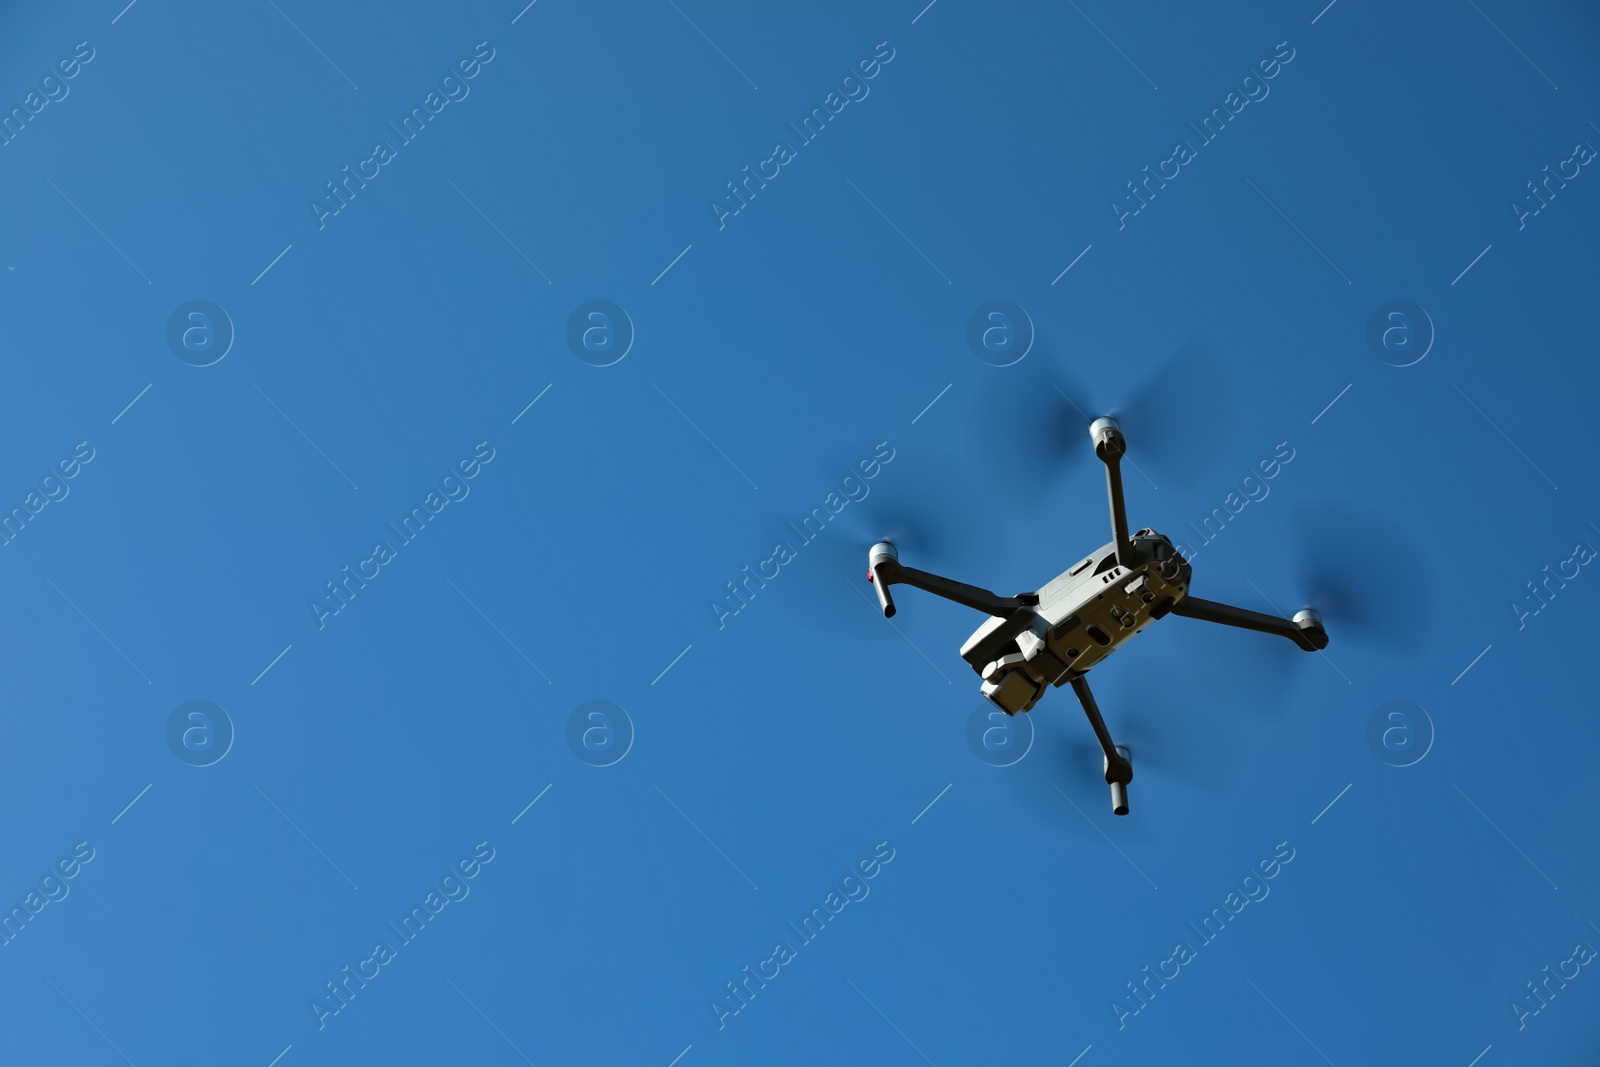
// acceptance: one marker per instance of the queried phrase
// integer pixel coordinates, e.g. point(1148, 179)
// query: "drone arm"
point(889, 572)
point(1311, 636)
point(1109, 445)
point(1119, 771)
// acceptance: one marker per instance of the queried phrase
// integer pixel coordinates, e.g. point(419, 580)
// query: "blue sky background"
point(772, 754)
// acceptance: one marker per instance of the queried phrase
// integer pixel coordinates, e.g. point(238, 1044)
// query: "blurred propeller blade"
point(1171, 742)
point(1030, 425)
point(1030, 421)
point(1183, 413)
point(923, 501)
point(1369, 577)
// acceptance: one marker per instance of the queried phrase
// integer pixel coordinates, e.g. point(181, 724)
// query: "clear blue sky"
point(387, 351)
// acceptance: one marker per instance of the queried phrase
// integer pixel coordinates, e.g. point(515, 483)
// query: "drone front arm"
point(1309, 634)
point(887, 571)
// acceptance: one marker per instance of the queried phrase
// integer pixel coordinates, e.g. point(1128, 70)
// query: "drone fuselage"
point(1083, 615)
point(1053, 637)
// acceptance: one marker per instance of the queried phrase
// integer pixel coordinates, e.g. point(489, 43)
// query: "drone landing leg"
point(1119, 771)
point(1306, 630)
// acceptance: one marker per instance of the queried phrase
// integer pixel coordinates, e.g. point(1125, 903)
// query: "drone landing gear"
point(1118, 766)
point(1305, 629)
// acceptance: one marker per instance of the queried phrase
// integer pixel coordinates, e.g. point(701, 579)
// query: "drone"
point(1056, 635)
